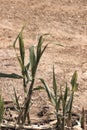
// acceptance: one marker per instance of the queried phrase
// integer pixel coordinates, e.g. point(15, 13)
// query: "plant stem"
point(25, 112)
point(27, 102)
point(63, 120)
point(70, 111)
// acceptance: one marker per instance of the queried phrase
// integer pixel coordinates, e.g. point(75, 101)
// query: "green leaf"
point(44, 49)
point(62, 98)
point(38, 88)
point(49, 93)
point(66, 93)
point(21, 47)
point(27, 76)
point(13, 75)
point(58, 103)
point(40, 42)
point(69, 104)
point(20, 62)
point(76, 87)
point(27, 66)
point(14, 44)
point(74, 79)
point(16, 100)
point(26, 72)
point(54, 83)
point(32, 60)
point(40, 51)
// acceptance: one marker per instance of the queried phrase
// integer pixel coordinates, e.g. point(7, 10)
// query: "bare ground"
point(66, 21)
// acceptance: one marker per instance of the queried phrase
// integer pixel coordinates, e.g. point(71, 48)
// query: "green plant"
point(74, 87)
point(54, 97)
point(21, 59)
point(1, 108)
point(28, 72)
point(57, 97)
point(64, 103)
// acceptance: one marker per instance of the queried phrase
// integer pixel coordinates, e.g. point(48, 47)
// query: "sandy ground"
point(66, 21)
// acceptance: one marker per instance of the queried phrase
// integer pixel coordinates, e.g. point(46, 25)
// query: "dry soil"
point(66, 21)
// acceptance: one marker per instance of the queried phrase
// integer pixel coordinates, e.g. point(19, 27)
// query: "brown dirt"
point(66, 21)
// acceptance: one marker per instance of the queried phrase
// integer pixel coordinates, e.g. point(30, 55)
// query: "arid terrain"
point(66, 21)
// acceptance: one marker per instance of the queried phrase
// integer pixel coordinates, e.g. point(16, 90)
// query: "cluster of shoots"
point(62, 100)
point(28, 72)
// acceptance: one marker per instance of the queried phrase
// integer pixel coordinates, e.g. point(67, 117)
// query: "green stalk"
point(74, 85)
point(63, 120)
point(57, 111)
point(64, 100)
point(70, 111)
point(27, 103)
point(58, 121)
point(24, 114)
